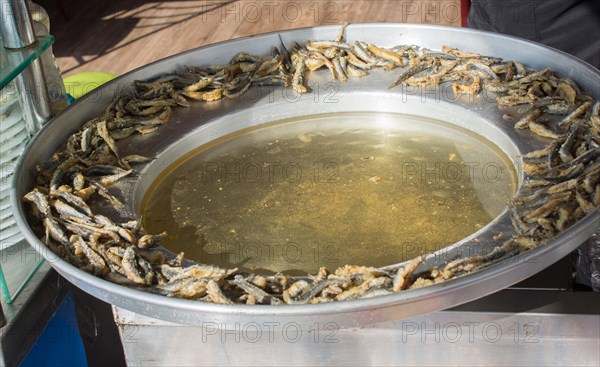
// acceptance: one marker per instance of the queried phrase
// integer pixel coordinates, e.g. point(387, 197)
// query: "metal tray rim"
point(174, 309)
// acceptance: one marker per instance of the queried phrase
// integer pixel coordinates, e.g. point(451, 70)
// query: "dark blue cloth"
point(60, 343)
point(572, 26)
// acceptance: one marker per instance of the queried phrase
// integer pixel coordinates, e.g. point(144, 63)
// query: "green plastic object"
point(79, 84)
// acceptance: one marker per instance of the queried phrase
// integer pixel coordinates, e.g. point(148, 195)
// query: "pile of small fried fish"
point(561, 186)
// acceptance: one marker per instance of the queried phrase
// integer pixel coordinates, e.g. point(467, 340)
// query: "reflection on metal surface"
point(16, 25)
point(33, 96)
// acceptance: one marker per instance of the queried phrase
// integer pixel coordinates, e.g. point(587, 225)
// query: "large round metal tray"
point(203, 122)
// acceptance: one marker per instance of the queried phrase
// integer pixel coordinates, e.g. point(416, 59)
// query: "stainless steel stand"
point(541, 336)
point(17, 33)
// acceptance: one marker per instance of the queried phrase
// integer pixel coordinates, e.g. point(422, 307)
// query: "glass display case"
point(18, 261)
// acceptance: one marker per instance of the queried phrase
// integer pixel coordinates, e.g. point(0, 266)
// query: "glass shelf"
point(18, 261)
point(19, 264)
point(13, 62)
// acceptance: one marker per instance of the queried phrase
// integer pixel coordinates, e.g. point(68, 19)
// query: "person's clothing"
point(572, 26)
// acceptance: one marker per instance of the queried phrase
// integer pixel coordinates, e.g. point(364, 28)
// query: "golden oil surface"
point(329, 190)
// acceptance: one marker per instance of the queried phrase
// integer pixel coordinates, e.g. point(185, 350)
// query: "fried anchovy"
point(410, 72)
point(261, 296)
point(40, 201)
point(103, 132)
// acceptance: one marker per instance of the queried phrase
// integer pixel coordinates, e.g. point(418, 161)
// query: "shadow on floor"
point(101, 27)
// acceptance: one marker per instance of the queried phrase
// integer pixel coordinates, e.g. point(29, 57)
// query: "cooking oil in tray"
point(329, 190)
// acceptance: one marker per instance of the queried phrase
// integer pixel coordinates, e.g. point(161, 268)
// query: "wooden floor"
point(118, 36)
